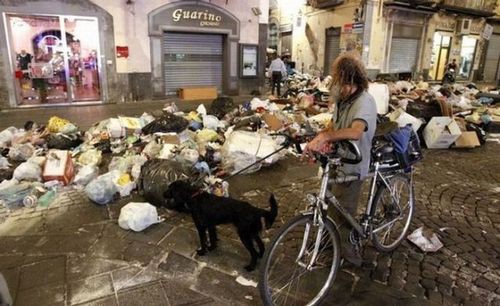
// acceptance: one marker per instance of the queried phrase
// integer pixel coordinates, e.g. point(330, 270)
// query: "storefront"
point(198, 44)
point(58, 52)
point(55, 54)
point(56, 59)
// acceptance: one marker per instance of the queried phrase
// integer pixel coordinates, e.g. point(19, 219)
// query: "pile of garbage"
point(118, 156)
point(445, 116)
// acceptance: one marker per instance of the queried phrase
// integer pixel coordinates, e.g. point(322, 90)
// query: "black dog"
point(209, 210)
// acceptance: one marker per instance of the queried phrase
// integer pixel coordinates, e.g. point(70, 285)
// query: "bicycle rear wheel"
point(284, 275)
point(392, 212)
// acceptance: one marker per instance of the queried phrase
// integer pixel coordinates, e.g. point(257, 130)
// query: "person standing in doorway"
point(278, 71)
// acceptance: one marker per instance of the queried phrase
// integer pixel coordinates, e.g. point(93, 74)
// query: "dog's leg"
point(202, 232)
point(260, 244)
point(212, 233)
point(248, 243)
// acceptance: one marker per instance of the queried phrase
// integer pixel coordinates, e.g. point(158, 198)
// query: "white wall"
point(131, 27)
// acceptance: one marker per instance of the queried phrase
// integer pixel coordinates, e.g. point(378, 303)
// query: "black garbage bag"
point(424, 110)
point(157, 175)
point(481, 134)
point(167, 123)
point(221, 106)
point(63, 142)
point(6, 174)
point(104, 146)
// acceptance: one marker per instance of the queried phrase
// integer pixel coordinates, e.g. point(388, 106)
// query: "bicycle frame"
point(326, 198)
point(320, 205)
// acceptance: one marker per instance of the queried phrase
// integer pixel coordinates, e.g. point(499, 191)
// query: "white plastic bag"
point(190, 155)
point(201, 109)
point(6, 136)
point(152, 149)
point(4, 163)
point(167, 151)
point(138, 216)
point(21, 152)
point(103, 189)
point(90, 157)
point(210, 122)
point(425, 240)
point(253, 144)
point(86, 174)
point(28, 171)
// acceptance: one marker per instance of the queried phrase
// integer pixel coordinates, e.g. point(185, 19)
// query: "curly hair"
point(348, 69)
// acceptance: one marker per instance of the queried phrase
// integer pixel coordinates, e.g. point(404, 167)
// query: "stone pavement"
point(74, 253)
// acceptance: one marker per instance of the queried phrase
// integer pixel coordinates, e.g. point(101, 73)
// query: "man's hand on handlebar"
point(321, 145)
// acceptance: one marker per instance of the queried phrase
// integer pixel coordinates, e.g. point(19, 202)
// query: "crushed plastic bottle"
point(48, 198)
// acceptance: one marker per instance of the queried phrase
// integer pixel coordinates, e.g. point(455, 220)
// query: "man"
point(453, 65)
point(278, 70)
point(354, 118)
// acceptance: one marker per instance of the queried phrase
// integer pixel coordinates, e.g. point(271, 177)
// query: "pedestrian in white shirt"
point(278, 71)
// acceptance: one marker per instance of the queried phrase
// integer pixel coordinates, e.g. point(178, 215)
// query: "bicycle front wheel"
point(300, 265)
point(392, 212)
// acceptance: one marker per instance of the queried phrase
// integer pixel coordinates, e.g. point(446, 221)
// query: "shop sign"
point(192, 14)
point(347, 28)
point(357, 28)
point(488, 31)
point(353, 28)
point(205, 18)
point(40, 71)
point(446, 24)
point(122, 51)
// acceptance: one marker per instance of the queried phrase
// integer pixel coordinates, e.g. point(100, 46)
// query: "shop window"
point(440, 55)
point(467, 52)
point(55, 58)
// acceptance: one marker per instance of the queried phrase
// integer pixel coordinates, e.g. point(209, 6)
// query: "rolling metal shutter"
point(404, 53)
point(192, 60)
point(332, 50)
point(492, 58)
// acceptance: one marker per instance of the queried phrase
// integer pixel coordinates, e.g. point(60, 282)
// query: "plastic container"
point(47, 199)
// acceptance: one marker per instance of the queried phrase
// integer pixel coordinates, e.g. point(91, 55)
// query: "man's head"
point(348, 71)
point(454, 60)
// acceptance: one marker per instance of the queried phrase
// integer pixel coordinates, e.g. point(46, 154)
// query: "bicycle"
point(302, 260)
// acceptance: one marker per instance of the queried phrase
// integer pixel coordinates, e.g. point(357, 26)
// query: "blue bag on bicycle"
point(406, 146)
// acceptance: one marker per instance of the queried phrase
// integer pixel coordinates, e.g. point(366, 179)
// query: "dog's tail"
point(270, 215)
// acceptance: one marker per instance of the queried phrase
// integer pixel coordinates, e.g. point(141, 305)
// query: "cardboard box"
point(403, 118)
point(198, 93)
point(441, 132)
point(59, 166)
point(273, 122)
point(467, 140)
point(170, 138)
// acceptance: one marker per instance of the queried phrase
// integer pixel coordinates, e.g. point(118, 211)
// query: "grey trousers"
point(348, 196)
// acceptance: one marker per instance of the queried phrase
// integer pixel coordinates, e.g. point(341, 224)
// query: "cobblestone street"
point(74, 253)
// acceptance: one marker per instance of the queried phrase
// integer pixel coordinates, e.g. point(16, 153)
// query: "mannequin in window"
point(23, 59)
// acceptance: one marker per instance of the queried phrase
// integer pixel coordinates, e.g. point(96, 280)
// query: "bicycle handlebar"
point(341, 149)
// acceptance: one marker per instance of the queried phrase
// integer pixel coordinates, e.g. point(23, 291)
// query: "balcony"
point(479, 8)
point(427, 6)
point(324, 4)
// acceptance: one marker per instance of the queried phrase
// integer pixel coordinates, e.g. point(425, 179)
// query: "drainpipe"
point(367, 33)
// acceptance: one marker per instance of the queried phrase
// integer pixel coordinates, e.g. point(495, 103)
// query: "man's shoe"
point(351, 254)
